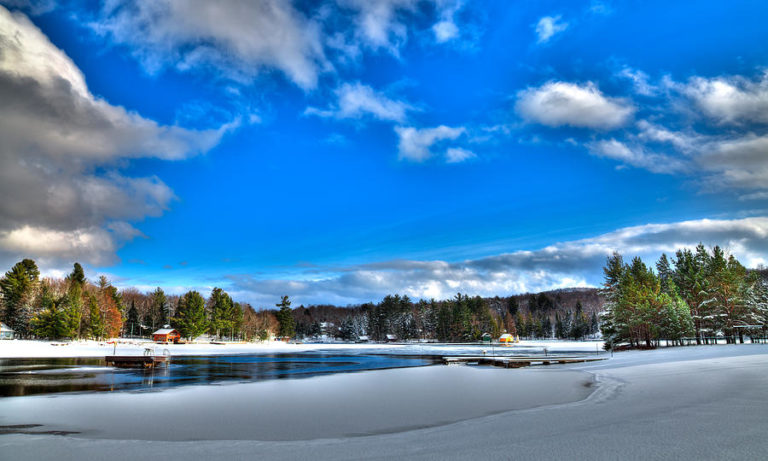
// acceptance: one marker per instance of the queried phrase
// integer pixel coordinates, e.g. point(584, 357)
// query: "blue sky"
point(337, 151)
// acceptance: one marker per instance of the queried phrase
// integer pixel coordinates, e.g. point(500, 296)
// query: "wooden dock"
point(136, 361)
point(516, 361)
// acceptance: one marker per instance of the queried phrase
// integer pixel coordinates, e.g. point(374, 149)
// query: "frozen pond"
point(20, 377)
point(328, 406)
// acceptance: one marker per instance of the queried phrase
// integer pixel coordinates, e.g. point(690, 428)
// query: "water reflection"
point(19, 377)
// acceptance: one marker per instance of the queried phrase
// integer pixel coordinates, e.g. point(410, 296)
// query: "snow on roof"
point(164, 331)
point(5, 327)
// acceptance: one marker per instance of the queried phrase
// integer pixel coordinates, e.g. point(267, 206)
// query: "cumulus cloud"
point(355, 101)
point(563, 103)
point(548, 26)
point(415, 144)
point(240, 37)
point(636, 156)
point(739, 162)
point(730, 100)
point(60, 151)
point(566, 264)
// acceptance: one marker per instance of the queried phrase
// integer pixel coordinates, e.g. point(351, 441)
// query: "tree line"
point(75, 308)
point(697, 294)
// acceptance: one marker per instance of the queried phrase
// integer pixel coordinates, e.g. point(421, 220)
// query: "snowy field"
point(702, 402)
point(29, 349)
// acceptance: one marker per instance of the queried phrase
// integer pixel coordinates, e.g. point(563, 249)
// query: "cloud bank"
point(65, 197)
point(565, 264)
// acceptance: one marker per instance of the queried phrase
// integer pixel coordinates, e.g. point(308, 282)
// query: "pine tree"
point(95, 322)
point(287, 327)
point(75, 306)
point(133, 325)
point(18, 289)
point(160, 309)
point(190, 317)
point(49, 322)
point(221, 312)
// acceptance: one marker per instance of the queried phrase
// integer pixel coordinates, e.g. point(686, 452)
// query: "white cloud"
point(563, 103)
point(548, 26)
point(636, 156)
point(415, 143)
point(730, 100)
point(240, 37)
point(92, 245)
point(355, 100)
point(445, 31)
point(566, 264)
point(655, 133)
point(639, 81)
point(458, 155)
point(60, 155)
point(380, 23)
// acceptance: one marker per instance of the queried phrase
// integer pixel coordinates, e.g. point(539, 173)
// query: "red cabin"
point(166, 335)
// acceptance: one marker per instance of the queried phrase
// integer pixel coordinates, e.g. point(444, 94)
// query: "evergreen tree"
point(49, 322)
point(559, 331)
point(665, 273)
point(18, 289)
point(512, 306)
point(74, 303)
point(160, 309)
point(285, 319)
point(190, 317)
point(95, 322)
point(221, 309)
point(133, 325)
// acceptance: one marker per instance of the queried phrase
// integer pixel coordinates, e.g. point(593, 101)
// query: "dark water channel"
point(19, 377)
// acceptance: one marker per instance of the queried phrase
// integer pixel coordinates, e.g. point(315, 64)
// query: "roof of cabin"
point(164, 331)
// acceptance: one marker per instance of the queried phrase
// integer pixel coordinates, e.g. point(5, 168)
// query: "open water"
point(20, 377)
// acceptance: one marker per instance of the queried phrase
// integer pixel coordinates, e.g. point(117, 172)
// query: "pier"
point(516, 361)
point(148, 360)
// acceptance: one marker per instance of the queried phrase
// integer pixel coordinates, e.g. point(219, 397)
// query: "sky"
point(338, 151)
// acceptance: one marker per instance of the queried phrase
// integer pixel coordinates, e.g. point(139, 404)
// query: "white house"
point(5, 331)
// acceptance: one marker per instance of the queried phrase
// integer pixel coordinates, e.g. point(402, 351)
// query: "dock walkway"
point(516, 361)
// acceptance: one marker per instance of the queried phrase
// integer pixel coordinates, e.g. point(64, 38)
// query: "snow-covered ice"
point(706, 402)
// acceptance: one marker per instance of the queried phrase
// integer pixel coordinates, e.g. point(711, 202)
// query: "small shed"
point(486, 338)
point(391, 338)
point(166, 335)
point(506, 338)
point(6, 332)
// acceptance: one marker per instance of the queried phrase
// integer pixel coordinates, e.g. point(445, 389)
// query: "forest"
point(74, 307)
point(698, 295)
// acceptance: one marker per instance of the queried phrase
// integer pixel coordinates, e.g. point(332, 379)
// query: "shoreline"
point(46, 349)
